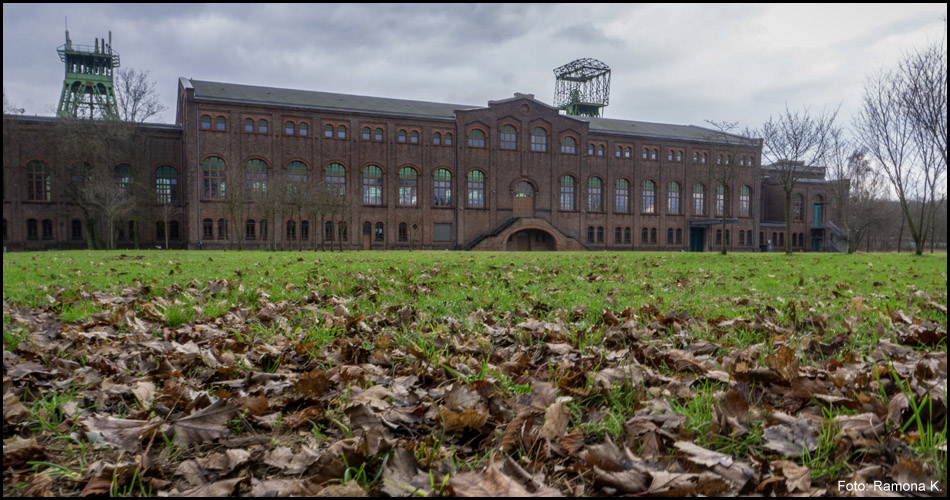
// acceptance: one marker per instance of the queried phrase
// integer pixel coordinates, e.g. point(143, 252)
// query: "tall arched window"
point(595, 198)
point(372, 185)
point(798, 207)
point(745, 201)
point(166, 184)
point(335, 179)
point(476, 189)
point(508, 138)
point(699, 195)
point(569, 145)
point(122, 174)
point(818, 210)
point(673, 198)
point(256, 178)
point(297, 171)
point(649, 197)
point(721, 194)
point(567, 193)
point(623, 196)
point(539, 139)
point(442, 186)
point(476, 138)
point(212, 173)
point(38, 181)
point(408, 186)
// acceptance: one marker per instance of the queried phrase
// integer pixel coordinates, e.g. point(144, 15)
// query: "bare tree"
point(723, 169)
point(792, 142)
point(903, 125)
point(137, 97)
point(856, 189)
point(236, 200)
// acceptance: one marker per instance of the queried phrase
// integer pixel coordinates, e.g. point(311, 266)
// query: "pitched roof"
point(233, 92)
point(323, 100)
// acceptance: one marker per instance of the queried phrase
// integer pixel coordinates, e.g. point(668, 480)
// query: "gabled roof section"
point(662, 130)
point(232, 92)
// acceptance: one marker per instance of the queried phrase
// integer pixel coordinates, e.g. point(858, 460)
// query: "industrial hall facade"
point(269, 168)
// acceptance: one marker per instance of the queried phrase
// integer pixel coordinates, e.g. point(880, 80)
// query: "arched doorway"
point(528, 240)
point(522, 199)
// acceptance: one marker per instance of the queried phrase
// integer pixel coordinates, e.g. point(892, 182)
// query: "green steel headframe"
point(583, 87)
point(88, 88)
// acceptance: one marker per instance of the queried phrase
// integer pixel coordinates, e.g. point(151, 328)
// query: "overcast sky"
point(680, 64)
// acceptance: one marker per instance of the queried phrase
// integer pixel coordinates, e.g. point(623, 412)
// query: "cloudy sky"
point(680, 64)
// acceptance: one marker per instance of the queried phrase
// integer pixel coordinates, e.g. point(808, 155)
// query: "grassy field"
point(443, 372)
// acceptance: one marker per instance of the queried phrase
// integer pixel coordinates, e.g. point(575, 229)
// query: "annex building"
point(261, 167)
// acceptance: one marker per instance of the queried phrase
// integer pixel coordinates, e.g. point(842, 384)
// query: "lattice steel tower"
point(88, 85)
point(582, 87)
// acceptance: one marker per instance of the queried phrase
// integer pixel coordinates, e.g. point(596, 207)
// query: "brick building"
point(260, 167)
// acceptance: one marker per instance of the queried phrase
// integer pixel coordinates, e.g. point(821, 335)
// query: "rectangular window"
point(441, 232)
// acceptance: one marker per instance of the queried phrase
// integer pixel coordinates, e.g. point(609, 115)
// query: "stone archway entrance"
point(528, 240)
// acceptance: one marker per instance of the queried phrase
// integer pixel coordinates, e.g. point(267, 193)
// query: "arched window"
point(304, 230)
point(669, 236)
point(222, 229)
point(508, 138)
point(600, 234)
point(328, 231)
point(335, 178)
point(442, 185)
point(649, 197)
point(627, 152)
point(378, 134)
point(644, 235)
point(590, 149)
point(590, 234)
point(289, 128)
point(249, 229)
point(408, 187)
point(476, 189)
point(699, 195)
point(476, 138)
point(653, 235)
point(262, 225)
point(626, 235)
point(222, 123)
point(679, 236)
point(328, 131)
point(32, 229)
point(522, 189)
point(401, 136)
point(414, 137)
point(798, 207)
point(595, 189)
point(341, 227)
point(38, 181)
point(341, 132)
point(673, 198)
point(703, 158)
point(303, 129)
point(618, 235)
point(207, 229)
point(654, 154)
point(166, 184)
point(76, 229)
point(721, 194)
point(403, 232)
point(600, 150)
point(380, 233)
point(669, 157)
point(619, 153)
point(367, 134)
point(212, 172)
point(539, 139)
point(248, 125)
point(745, 201)
point(206, 122)
point(622, 196)
point(256, 178)
point(569, 145)
point(567, 193)
point(646, 154)
point(448, 139)
point(372, 185)
point(297, 172)
point(262, 126)
point(436, 138)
